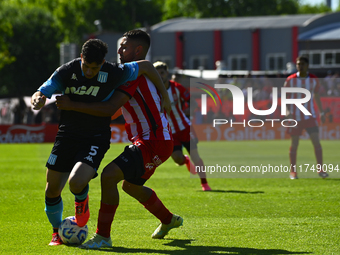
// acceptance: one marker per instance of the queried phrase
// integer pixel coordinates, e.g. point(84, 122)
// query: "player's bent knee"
point(128, 188)
point(76, 186)
point(178, 158)
point(52, 193)
point(111, 173)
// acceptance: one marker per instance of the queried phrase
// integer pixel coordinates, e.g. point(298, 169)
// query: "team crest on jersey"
point(102, 77)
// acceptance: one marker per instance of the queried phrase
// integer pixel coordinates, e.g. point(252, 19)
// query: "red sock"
point(156, 207)
point(105, 218)
point(318, 155)
point(292, 157)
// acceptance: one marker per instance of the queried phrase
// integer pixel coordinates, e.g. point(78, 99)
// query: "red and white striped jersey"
point(311, 83)
point(178, 95)
point(142, 113)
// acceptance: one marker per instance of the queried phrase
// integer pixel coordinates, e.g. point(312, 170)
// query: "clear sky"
point(335, 3)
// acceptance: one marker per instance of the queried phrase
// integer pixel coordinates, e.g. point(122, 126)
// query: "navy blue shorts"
point(66, 152)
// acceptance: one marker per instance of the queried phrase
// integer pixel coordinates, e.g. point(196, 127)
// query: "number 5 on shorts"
point(94, 150)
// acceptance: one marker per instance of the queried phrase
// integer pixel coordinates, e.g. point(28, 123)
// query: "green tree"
point(75, 18)
point(6, 32)
point(123, 15)
point(318, 8)
point(34, 45)
point(235, 8)
point(227, 8)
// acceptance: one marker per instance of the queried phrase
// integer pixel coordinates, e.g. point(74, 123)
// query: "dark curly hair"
point(94, 50)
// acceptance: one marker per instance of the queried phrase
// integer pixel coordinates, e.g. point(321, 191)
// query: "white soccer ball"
point(71, 233)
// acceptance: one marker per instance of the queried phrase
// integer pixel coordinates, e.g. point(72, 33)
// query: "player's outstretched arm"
point(38, 100)
point(147, 68)
point(101, 109)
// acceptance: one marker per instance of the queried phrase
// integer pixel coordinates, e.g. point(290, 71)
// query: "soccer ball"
point(71, 233)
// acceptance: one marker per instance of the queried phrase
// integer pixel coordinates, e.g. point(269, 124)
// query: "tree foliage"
point(33, 45)
point(227, 8)
point(32, 31)
point(319, 8)
point(6, 32)
point(236, 8)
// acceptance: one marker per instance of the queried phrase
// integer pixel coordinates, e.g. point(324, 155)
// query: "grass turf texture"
point(242, 216)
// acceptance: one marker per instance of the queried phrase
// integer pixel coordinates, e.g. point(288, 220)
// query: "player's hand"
point(63, 103)
point(166, 104)
point(38, 101)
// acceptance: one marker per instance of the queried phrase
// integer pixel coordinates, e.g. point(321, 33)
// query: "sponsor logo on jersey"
point(74, 77)
point(102, 77)
point(157, 160)
point(83, 90)
point(149, 166)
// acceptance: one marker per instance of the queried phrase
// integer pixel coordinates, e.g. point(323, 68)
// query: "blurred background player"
point(149, 132)
point(183, 133)
point(303, 79)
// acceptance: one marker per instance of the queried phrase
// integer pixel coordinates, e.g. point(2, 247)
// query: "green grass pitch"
point(248, 215)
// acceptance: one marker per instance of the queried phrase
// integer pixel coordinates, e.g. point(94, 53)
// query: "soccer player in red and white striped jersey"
point(303, 79)
point(183, 133)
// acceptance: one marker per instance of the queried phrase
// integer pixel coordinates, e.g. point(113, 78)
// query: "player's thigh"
point(314, 136)
point(81, 174)
point(112, 173)
point(55, 182)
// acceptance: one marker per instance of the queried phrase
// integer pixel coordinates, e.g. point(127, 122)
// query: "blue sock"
point(54, 210)
point(83, 194)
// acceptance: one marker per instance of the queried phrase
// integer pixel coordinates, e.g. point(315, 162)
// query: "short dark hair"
point(139, 36)
point(303, 58)
point(94, 50)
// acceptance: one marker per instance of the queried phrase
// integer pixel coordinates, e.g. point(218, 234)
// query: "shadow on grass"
point(187, 249)
point(233, 191)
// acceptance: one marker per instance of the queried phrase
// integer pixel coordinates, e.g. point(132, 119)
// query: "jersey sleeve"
point(130, 73)
point(184, 93)
point(288, 81)
point(53, 84)
point(130, 87)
